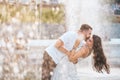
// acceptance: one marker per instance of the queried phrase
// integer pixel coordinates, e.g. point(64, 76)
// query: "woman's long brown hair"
point(100, 61)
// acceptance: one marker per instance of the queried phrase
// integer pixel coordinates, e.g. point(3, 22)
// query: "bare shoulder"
point(84, 51)
point(87, 51)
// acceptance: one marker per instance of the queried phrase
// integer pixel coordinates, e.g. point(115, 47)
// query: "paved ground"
point(89, 74)
point(84, 72)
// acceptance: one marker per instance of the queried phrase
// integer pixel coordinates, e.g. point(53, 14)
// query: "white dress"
point(66, 70)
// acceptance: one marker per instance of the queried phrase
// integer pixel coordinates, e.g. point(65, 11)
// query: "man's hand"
point(72, 53)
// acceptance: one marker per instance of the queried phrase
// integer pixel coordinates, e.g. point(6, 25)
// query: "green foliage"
point(25, 14)
point(50, 16)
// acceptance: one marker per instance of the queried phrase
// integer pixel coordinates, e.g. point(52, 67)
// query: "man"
point(63, 46)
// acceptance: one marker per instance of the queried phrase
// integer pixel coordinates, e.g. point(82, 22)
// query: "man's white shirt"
point(68, 39)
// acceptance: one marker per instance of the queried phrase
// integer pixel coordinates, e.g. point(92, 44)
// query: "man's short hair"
point(85, 27)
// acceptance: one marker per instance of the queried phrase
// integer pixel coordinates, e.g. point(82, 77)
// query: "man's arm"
point(72, 53)
point(59, 45)
point(77, 42)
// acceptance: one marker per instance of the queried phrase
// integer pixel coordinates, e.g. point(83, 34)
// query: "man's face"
point(88, 33)
point(89, 41)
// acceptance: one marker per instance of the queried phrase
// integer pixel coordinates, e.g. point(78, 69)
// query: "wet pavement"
point(89, 74)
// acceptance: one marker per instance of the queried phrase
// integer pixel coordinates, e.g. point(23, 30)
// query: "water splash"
point(90, 12)
point(86, 11)
point(72, 14)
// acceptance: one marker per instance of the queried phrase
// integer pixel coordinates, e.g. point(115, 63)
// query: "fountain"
point(94, 13)
point(72, 14)
point(90, 12)
point(78, 12)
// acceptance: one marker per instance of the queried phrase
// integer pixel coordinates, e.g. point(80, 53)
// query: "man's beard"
point(87, 38)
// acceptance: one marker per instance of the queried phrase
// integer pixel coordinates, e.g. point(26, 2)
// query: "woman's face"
point(90, 41)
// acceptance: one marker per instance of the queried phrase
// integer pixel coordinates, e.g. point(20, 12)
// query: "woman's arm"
point(82, 53)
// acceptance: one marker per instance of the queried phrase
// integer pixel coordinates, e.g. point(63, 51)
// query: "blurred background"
point(27, 27)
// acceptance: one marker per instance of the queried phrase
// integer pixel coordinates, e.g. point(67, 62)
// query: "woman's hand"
point(71, 59)
point(74, 61)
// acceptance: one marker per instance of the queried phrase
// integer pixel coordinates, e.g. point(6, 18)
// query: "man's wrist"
point(74, 48)
point(67, 53)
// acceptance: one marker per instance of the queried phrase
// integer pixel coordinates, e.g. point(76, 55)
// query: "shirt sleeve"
point(66, 37)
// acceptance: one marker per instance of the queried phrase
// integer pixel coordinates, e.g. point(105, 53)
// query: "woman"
point(66, 70)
